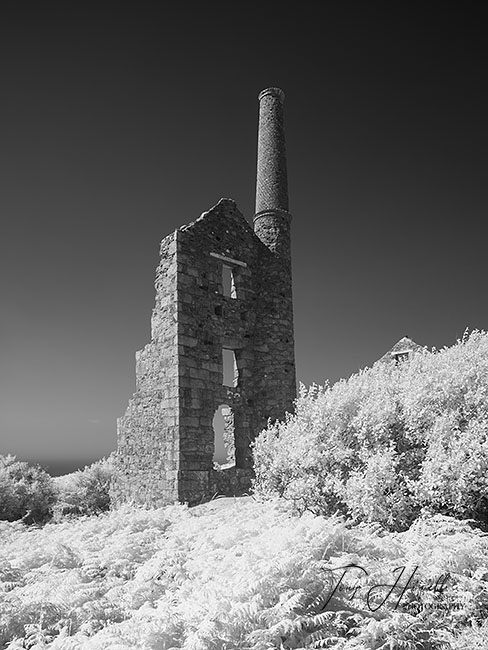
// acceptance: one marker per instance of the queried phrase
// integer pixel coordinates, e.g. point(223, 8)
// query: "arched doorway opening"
point(224, 440)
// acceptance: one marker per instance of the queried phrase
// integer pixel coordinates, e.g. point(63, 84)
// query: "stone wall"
point(147, 458)
point(166, 438)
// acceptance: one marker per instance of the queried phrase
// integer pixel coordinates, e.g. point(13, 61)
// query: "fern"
point(248, 576)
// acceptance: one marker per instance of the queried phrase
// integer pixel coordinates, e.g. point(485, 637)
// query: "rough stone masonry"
point(223, 292)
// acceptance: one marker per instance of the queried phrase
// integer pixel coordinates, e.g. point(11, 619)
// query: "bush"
point(388, 442)
point(26, 492)
point(85, 492)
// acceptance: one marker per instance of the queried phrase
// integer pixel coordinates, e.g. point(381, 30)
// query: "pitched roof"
point(405, 346)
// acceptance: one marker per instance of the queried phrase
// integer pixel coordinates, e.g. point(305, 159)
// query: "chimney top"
point(276, 92)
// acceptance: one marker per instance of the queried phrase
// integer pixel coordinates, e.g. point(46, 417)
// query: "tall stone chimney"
point(272, 219)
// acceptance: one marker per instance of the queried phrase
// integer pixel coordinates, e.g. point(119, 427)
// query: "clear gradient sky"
point(122, 122)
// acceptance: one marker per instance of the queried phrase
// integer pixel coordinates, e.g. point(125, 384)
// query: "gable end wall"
point(166, 438)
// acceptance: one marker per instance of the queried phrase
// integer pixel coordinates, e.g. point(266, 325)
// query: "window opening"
point(401, 356)
point(228, 283)
point(230, 374)
point(224, 440)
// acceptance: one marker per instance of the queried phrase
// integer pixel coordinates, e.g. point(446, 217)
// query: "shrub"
point(389, 441)
point(85, 492)
point(26, 492)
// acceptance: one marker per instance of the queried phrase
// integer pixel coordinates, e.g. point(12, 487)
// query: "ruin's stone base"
point(199, 487)
point(192, 487)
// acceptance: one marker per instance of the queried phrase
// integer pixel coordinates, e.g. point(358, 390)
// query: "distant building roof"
point(401, 351)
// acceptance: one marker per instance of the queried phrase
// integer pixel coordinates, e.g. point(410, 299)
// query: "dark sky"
point(121, 123)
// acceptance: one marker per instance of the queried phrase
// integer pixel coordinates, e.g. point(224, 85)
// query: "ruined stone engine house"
point(223, 296)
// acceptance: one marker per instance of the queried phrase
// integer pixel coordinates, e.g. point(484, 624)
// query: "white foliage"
point(248, 575)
